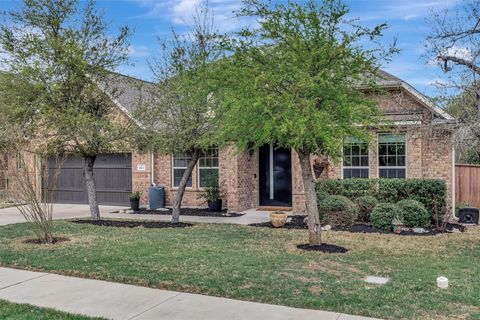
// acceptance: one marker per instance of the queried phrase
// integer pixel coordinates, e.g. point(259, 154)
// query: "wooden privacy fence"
point(467, 184)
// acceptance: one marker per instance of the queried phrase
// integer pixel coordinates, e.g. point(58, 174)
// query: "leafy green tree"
point(177, 117)
point(296, 80)
point(463, 107)
point(60, 54)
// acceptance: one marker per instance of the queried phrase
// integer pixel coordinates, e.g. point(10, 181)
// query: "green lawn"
point(13, 311)
point(264, 265)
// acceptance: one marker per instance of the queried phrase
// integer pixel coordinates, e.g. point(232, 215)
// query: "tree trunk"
point(89, 161)
point(181, 187)
point(314, 228)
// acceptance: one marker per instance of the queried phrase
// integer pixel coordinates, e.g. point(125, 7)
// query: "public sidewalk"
point(120, 301)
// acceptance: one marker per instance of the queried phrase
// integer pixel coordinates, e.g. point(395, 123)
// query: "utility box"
point(468, 215)
point(156, 197)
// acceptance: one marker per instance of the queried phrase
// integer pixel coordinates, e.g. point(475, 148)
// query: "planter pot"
point(215, 206)
point(278, 219)
point(135, 205)
point(397, 228)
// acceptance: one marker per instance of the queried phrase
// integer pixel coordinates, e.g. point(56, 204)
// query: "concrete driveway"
point(72, 211)
point(60, 211)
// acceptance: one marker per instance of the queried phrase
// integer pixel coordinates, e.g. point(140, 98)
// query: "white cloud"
point(181, 12)
point(138, 51)
point(454, 51)
point(402, 10)
point(459, 52)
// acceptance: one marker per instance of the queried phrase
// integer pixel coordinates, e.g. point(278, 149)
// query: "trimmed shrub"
point(427, 191)
point(383, 215)
point(414, 214)
point(365, 204)
point(338, 211)
point(350, 188)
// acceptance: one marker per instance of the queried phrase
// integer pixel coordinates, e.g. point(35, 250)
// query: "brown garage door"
point(113, 179)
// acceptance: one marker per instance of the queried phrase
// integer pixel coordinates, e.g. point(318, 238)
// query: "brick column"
point(141, 174)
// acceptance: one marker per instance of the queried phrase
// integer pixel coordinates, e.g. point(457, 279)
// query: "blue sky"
point(155, 18)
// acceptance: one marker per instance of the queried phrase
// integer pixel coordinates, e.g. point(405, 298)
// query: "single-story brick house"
point(271, 176)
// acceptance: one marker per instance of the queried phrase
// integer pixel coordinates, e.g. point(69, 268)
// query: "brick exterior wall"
point(163, 178)
point(427, 157)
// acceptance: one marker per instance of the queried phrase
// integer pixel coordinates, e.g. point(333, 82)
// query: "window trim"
point(390, 167)
point(172, 180)
point(342, 167)
point(198, 170)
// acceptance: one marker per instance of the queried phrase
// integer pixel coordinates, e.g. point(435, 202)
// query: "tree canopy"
point(60, 55)
point(296, 79)
point(300, 79)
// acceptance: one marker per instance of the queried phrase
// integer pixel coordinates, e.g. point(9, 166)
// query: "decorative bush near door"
point(337, 211)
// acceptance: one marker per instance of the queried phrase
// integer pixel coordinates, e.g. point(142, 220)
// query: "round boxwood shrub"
point(383, 215)
point(337, 211)
point(414, 214)
point(365, 204)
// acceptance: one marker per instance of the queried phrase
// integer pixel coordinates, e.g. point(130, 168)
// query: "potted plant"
point(211, 194)
point(278, 218)
point(397, 225)
point(135, 200)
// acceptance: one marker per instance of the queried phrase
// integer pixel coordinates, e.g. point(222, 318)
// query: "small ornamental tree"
point(177, 117)
point(59, 54)
point(295, 81)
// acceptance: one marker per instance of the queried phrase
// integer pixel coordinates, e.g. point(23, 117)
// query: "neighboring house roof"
point(129, 92)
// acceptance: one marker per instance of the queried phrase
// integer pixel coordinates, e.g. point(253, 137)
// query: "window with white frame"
point(208, 168)
point(391, 155)
point(355, 159)
point(180, 162)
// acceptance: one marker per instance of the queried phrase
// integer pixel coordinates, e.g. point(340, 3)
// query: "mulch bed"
point(134, 224)
point(296, 222)
point(293, 222)
point(198, 212)
point(55, 240)
point(324, 247)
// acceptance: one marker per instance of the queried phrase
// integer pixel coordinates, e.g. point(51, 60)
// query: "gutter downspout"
point(152, 169)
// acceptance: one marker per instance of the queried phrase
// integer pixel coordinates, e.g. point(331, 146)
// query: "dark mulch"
point(293, 222)
point(55, 240)
point(134, 224)
point(324, 247)
point(198, 212)
point(296, 222)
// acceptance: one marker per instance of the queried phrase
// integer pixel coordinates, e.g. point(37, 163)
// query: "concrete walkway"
point(120, 301)
point(72, 211)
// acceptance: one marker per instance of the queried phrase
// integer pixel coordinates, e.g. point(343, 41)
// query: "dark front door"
point(275, 176)
point(113, 179)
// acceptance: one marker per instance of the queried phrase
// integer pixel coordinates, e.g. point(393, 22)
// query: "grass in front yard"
point(264, 265)
point(14, 311)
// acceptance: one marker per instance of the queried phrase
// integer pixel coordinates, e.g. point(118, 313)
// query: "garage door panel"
point(113, 179)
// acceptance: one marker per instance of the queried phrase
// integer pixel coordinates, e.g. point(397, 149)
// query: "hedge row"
point(429, 192)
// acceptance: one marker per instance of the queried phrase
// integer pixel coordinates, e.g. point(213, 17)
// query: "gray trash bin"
point(156, 196)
